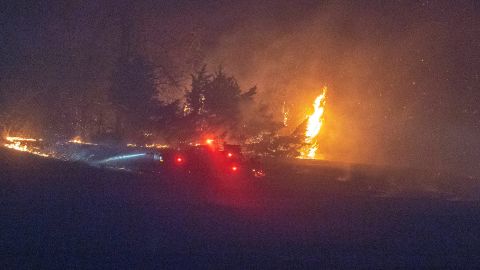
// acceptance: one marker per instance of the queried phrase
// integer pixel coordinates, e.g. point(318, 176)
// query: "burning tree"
point(314, 123)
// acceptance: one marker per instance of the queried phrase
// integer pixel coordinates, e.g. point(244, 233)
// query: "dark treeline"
point(213, 106)
point(99, 79)
point(129, 111)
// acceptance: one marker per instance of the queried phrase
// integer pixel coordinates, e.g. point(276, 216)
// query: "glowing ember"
point(15, 143)
point(78, 140)
point(314, 124)
point(153, 145)
point(285, 112)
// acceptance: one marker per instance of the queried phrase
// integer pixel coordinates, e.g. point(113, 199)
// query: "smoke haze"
point(403, 76)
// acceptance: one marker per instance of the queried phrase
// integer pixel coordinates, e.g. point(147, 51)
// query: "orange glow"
point(161, 145)
point(285, 113)
point(209, 141)
point(314, 125)
point(20, 139)
point(153, 145)
point(15, 143)
point(78, 140)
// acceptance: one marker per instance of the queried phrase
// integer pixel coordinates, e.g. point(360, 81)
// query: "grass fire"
point(22, 144)
point(253, 134)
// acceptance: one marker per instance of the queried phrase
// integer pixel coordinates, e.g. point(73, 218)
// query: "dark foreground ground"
point(304, 215)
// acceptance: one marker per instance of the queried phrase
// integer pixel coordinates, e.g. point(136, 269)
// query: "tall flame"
point(314, 125)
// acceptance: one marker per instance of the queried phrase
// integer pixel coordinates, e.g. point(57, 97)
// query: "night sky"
point(403, 76)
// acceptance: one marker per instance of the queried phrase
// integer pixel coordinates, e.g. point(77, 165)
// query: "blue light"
point(122, 157)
